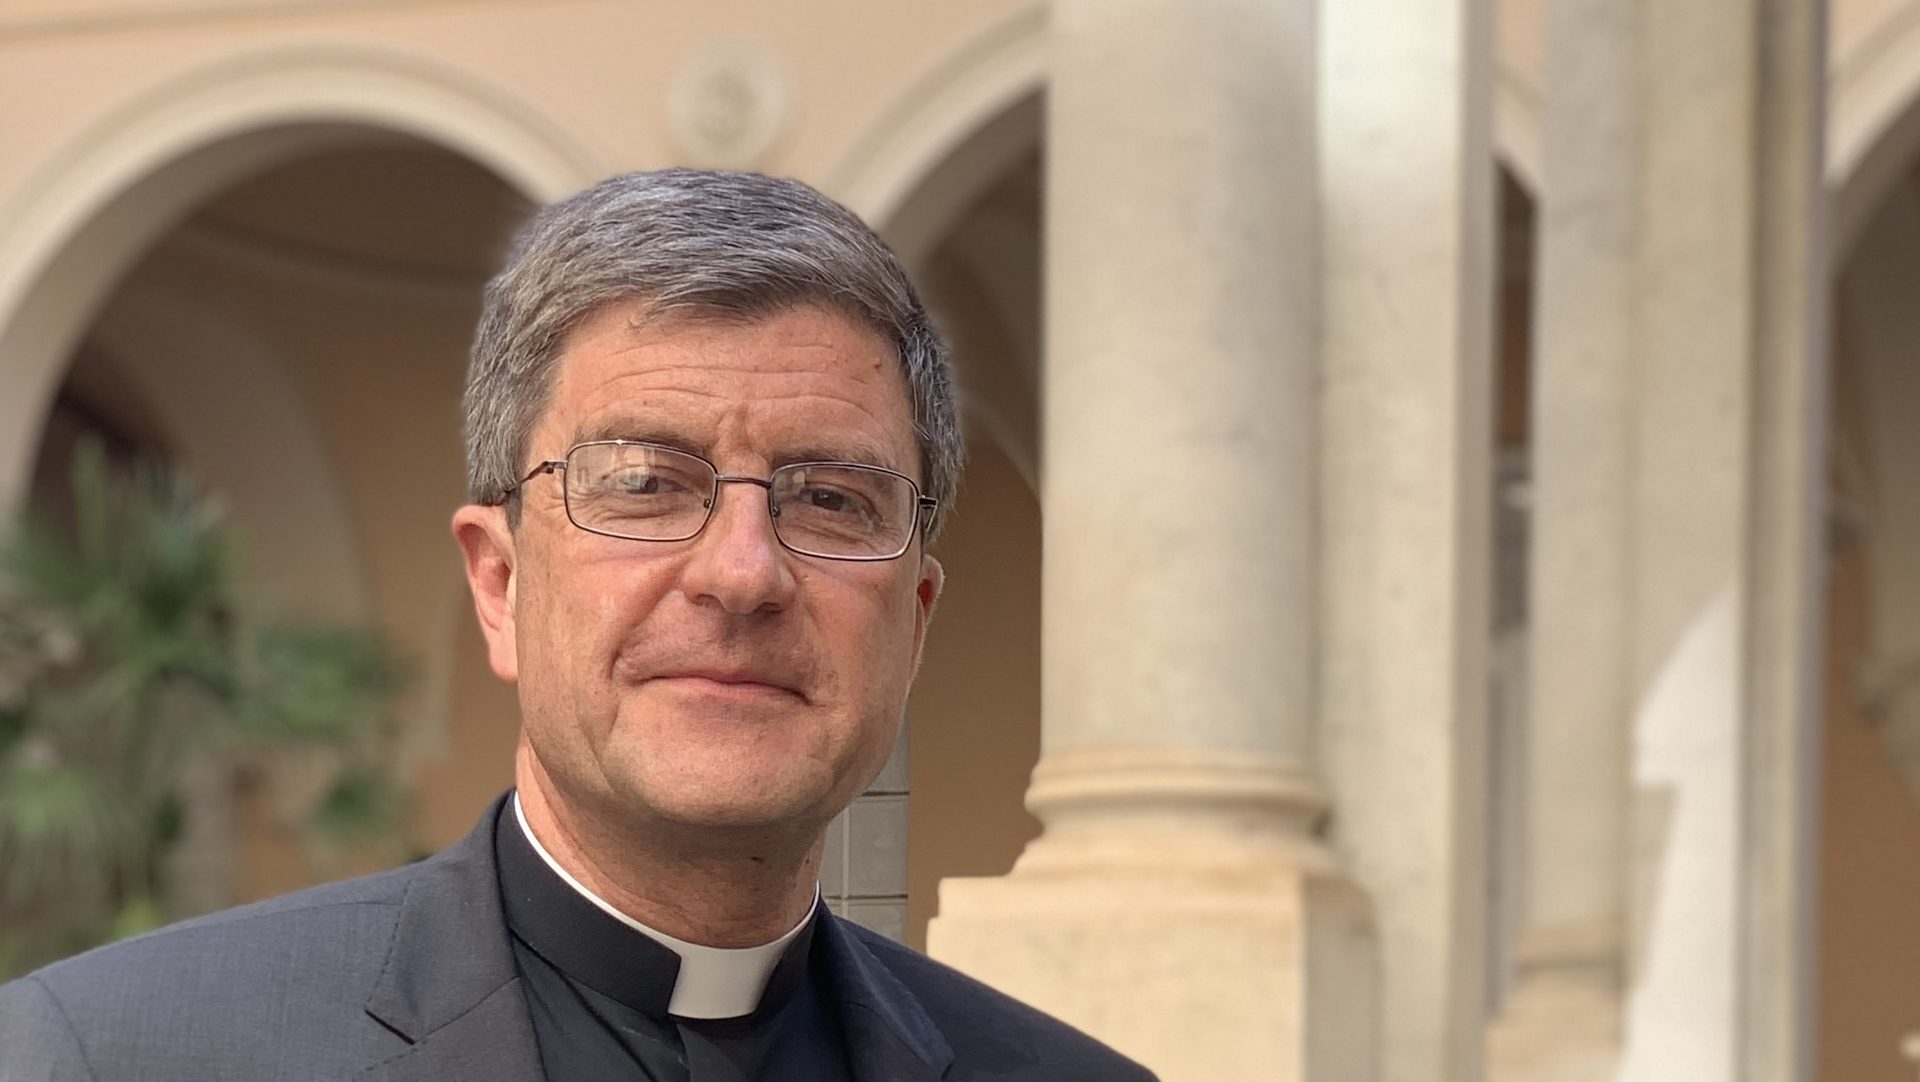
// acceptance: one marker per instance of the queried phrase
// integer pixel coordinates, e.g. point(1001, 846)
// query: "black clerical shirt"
point(598, 992)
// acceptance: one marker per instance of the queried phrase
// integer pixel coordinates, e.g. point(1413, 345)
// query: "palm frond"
point(123, 646)
point(324, 684)
point(58, 815)
point(360, 806)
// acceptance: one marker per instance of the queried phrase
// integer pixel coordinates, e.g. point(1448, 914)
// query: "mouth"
point(729, 684)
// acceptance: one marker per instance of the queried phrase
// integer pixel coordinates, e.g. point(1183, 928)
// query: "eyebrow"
point(844, 448)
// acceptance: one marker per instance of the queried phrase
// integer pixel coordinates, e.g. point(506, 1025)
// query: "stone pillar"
point(1788, 520)
point(1562, 1020)
point(1177, 903)
point(1406, 487)
point(1730, 287)
point(1694, 459)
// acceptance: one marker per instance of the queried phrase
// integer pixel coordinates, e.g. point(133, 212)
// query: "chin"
point(745, 821)
point(743, 802)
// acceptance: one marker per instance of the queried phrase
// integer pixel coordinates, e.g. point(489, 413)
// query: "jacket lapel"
point(890, 1037)
point(877, 1054)
point(449, 986)
point(493, 1042)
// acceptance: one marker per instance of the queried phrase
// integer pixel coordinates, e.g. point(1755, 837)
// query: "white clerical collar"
point(714, 982)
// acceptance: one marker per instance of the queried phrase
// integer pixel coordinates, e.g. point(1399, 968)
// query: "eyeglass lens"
point(649, 493)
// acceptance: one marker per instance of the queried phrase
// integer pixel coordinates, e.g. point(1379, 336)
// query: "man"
point(710, 432)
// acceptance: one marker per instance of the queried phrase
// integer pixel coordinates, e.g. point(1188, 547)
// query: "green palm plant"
point(126, 649)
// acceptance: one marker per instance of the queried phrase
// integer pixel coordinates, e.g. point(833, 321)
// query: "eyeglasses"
point(647, 492)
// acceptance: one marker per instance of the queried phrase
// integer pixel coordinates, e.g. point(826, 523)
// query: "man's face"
point(721, 681)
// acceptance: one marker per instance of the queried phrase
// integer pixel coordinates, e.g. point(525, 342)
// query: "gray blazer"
point(409, 975)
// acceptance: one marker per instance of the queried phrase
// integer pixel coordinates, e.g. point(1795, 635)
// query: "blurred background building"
point(1477, 447)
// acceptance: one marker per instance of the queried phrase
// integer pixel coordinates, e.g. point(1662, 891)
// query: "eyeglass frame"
point(924, 505)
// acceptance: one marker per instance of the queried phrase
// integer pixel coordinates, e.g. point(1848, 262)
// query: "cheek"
point(570, 620)
point(886, 648)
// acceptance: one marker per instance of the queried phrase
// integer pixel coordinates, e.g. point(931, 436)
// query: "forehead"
point(802, 382)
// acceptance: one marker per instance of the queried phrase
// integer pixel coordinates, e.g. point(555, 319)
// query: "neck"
point(717, 888)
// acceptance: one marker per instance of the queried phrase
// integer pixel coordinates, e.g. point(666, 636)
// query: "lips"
point(728, 681)
point(702, 664)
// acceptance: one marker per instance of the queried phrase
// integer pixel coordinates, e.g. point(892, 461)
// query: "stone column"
point(1562, 1020)
point(1177, 903)
point(1406, 486)
point(1705, 930)
point(1730, 287)
point(1788, 520)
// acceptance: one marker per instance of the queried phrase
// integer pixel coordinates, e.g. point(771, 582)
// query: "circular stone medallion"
point(728, 105)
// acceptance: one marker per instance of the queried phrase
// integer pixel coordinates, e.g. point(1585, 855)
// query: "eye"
point(827, 499)
point(638, 483)
point(824, 500)
point(645, 481)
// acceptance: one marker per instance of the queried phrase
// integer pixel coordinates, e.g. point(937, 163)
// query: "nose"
point(737, 563)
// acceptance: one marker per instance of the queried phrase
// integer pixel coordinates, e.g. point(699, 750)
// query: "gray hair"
point(714, 244)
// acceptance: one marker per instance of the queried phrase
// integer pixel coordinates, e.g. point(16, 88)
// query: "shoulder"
point(248, 936)
point(36, 1038)
point(312, 955)
point(983, 1024)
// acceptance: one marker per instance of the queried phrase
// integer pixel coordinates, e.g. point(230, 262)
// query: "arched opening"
point(267, 269)
point(949, 172)
point(970, 231)
point(976, 707)
point(308, 326)
point(76, 226)
point(1873, 131)
point(285, 312)
point(1869, 841)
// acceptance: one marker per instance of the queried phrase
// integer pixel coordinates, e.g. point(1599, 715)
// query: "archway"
point(1873, 123)
point(281, 256)
point(77, 225)
point(1869, 841)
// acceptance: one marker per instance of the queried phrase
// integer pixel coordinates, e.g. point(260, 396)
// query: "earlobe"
point(487, 544)
point(927, 592)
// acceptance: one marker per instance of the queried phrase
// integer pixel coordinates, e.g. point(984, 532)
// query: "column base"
point(1203, 961)
point(1557, 1027)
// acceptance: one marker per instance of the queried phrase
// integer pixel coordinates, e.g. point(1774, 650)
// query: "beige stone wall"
point(601, 69)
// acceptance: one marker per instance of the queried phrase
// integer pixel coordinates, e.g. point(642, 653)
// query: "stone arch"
point(925, 161)
point(87, 213)
point(1869, 755)
point(1873, 122)
point(964, 116)
point(954, 129)
point(1873, 154)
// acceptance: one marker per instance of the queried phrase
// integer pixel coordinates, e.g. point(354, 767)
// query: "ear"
point(487, 543)
point(926, 592)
